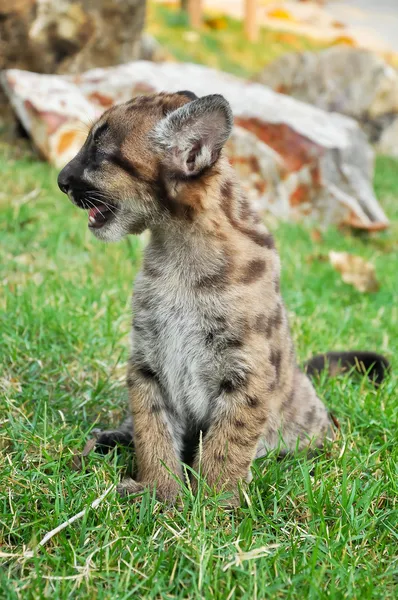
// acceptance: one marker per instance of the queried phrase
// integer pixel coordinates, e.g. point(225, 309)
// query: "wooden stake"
point(195, 13)
point(251, 25)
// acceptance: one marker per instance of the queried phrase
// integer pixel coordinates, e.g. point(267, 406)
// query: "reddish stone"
point(300, 195)
point(316, 176)
point(100, 99)
point(292, 159)
point(142, 88)
point(296, 150)
point(53, 120)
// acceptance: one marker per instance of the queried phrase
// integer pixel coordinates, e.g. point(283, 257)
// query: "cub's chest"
point(173, 334)
point(170, 324)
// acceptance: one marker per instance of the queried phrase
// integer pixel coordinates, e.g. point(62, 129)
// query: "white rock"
point(295, 160)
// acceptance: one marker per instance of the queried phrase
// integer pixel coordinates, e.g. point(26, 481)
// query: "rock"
point(261, 171)
point(15, 48)
point(296, 160)
point(388, 140)
point(351, 81)
point(69, 36)
point(75, 35)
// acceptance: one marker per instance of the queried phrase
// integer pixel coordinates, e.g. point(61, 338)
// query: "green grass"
point(327, 529)
point(226, 48)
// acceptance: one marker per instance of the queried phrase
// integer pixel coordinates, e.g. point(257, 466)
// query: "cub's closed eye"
point(98, 133)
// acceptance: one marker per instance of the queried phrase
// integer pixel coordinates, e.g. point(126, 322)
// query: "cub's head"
point(140, 155)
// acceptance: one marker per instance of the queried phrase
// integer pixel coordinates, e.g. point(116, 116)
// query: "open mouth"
point(100, 214)
point(100, 210)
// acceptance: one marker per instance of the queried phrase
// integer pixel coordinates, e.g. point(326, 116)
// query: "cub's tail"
point(374, 365)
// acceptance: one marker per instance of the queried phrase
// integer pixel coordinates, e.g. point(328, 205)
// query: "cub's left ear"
point(194, 134)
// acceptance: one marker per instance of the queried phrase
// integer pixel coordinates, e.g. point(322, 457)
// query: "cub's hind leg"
point(303, 422)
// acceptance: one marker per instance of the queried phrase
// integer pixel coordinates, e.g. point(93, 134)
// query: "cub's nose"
point(63, 182)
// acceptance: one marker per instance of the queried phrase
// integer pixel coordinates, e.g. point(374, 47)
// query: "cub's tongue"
point(96, 211)
point(97, 215)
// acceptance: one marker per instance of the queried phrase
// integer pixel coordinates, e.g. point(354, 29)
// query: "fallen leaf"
point(253, 554)
point(90, 444)
point(217, 23)
point(280, 13)
point(77, 462)
point(355, 271)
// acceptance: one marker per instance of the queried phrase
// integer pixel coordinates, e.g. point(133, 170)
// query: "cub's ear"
point(193, 135)
point(188, 94)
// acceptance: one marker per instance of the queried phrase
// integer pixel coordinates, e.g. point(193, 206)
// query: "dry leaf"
point(355, 271)
point(280, 13)
point(217, 23)
point(253, 554)
point(77, 457)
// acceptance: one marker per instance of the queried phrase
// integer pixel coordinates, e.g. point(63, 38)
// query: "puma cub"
point(212, 351)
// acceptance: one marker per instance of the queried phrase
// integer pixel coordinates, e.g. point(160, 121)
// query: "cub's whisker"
point(106, 204)
point(93, 205)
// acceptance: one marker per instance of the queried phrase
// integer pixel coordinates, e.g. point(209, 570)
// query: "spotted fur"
point(211, 347)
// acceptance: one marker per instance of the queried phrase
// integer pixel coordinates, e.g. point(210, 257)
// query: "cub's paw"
point(129, 487)
point(167, 492)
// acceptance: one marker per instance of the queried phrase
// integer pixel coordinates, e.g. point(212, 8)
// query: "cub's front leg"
point(230, 443)
point(155, 443)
